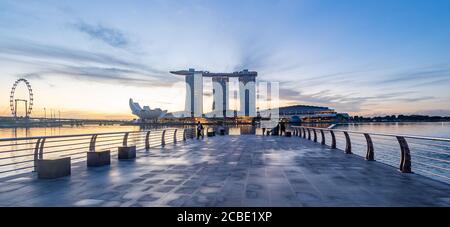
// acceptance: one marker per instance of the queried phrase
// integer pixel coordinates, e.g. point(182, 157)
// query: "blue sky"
point(358, 56)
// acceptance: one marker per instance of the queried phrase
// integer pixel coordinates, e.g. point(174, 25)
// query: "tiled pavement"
point(232, 171)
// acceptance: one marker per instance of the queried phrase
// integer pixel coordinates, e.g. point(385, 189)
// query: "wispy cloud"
point(111, 36)
point(434, 112)
point(23, 48)
point(30, 76)
point(419, 75)
point(86, 65)
point(348, 102)
point(111, 75)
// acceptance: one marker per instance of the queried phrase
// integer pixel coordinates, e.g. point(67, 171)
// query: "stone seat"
point(53, 167)
point(99, 158)
point(127, 152)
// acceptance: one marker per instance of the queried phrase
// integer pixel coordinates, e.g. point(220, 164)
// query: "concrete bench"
point(53, 168)
point(127, 152)
point(100, 158)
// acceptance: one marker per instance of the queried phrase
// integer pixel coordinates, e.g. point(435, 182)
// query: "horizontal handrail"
point(405, 164)
point(380, 134)
point(69, 136)
point(77, 144)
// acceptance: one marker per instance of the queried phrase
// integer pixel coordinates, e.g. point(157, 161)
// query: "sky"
point(365, 57)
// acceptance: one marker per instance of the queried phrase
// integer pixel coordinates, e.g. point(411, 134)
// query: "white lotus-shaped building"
point(146, 113)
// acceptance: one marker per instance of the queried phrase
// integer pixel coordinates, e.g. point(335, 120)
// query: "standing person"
point(199, 130)
point(282, 128)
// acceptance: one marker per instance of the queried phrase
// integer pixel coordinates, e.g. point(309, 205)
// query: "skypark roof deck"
point(244, 170)
point(209, 74)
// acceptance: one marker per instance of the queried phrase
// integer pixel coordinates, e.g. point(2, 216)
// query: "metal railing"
point(19, 155)
point(432, 154)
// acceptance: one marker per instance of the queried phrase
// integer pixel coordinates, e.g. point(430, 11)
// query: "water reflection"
point(433, 129)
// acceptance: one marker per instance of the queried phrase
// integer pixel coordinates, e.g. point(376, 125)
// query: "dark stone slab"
point(126, 153)
point(100, 158)
point(53, 168)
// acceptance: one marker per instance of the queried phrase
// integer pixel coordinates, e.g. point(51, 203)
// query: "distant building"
point(303, 113)
point(221, 90)
point(145, 113)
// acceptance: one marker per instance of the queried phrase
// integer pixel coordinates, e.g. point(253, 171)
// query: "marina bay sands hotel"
point(194, 92)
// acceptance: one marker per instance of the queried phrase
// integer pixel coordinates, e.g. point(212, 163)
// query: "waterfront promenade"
point(245, 170)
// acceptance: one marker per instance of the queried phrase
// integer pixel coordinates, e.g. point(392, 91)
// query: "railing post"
point(348, 144)
point(36, 153)
point(309, 134)
point(92, 143)
point(125, 139)
point(41, 149)
point(333, 140)
point(184, 134)
point(299, 132)
point(163, 140)
point(147, 141)
point(323, 137)
point(315, 135)
point(175, 136)
point(370, 155)
point(304, 133)
point(405, 161)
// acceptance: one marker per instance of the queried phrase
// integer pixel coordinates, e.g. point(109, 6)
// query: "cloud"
point(112, 75)
point(434, 112)
point(86, 65)
point(110, 36)
point(322, 98)
point(422, 76)
point(347, 102)
point(21, 48)
point(30, 76)
point(288, 93)
point(103, 75)
point(438, 82)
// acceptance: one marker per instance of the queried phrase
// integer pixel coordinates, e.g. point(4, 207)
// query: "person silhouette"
point(282, 128)
point(200, 130)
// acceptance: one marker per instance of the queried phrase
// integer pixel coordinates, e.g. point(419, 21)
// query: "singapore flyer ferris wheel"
point(13, 102)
